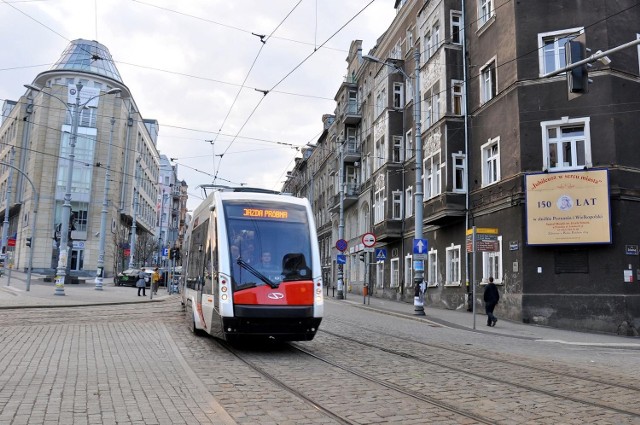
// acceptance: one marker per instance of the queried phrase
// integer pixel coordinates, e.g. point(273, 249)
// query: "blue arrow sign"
point(381, 254)
point(420, 246)
point(341, 259)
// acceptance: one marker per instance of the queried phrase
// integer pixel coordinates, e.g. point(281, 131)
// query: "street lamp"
point(103, 215)
point(66, 207)
point(418, 265)
point(340, 295)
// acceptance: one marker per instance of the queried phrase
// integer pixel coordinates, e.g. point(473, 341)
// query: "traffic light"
point(29, 242)
point(577, 78)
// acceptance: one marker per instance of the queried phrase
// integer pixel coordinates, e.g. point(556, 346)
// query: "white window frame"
point(558, 38)
point(398, 95)
point(547, 141)
point(456, 25)
point(380, 274)
point(432, 268)
point(397, 149)
point(394, 280)
point(408, 145)
point(408, 201)
point(459, 174)
point(409, 39)
point(638, 38)
point(408, 270)
point(378, 205)
point(488, 81)
point(492, 265)
point(490, 162)
point(396, 205)
point(435, 35)
point(457, 97)
point(485, 11)
point(454, 266)
point(432, 176)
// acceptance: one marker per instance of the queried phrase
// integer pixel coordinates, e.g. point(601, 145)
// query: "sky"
point(202, 68)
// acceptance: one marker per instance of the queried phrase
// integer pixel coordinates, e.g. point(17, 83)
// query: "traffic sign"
point(420, 246)
point(341, 245)
point(341, 259)
point(165, 252)
point(381, 254)
point(368, 240)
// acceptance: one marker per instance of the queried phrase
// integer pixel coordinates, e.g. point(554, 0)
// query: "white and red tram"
point(253, 267)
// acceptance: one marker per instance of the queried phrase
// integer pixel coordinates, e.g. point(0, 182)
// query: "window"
point(551, 49)
point(453, 265)
point(432, 268)
point(432, 173)
point(398, 95)
point(491, 162)
point(408, 270)
point(397, 149)
point(378, 206)
point(488, 82)
point(638, 37)
point(456, 27)
point(427, 45)
point(409, 39)
point(380, 274)
point(566, 144)
point(457, 99)
point(408, 202)
point(435, 36)
point(485, 11)
point(380, 153)
point(381, 102)
point(395, 273)
point(459, 161)
point(408, 147)
point(492, 264)
point(397, 205)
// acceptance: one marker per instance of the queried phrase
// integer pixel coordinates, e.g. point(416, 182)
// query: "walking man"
point(491, 297)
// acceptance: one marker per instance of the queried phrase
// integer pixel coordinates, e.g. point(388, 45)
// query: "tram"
point(252, 267)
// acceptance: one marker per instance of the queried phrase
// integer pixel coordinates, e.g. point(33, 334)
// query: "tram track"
point(489, 377)
point(329, 411)
point(482, 355)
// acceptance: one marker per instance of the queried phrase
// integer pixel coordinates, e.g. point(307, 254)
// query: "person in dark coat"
point(491, 297)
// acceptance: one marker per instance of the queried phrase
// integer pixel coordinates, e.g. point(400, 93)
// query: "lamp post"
point(132, 243)
point(63, 255)
point(418, 265)
point(103, 215)
point(340, 294)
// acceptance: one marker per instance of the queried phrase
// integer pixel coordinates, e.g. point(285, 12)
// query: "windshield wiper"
point(256, 273)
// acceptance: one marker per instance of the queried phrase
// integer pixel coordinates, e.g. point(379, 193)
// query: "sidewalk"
point(41, 294)
point(14, 294)
point(462, 319)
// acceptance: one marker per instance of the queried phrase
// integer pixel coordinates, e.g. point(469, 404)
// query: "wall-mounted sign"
point(631, 249)
point(568, 208)
point(514, 246)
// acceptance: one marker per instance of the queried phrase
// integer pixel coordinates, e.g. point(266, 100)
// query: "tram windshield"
point(269, 243)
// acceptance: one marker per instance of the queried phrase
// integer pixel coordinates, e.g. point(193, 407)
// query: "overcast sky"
point(186, 63)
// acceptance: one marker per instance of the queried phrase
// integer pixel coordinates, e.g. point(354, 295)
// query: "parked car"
point(129, 277)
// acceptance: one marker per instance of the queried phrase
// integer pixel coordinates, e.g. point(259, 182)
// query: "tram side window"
point(197, 256)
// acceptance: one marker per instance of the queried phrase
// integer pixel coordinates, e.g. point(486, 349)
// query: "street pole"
point(63, 255)
point(5, 225)
point(103, 217)
point(340, 294)
point(418, 264)
point(420, 286)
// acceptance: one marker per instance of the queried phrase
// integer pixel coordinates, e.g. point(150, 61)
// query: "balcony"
point(351, 194)
point(388, 230)
point(444, 208)
point(351, 151)
point(351, 113)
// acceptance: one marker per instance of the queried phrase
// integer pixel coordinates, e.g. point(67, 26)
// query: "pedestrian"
point(155, 280)
point(491, 297)
point(141, 284)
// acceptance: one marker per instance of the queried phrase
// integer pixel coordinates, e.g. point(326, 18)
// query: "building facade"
point(545, 177)
point(111, 132)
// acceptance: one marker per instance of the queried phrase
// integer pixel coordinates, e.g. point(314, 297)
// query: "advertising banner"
point(568, 208)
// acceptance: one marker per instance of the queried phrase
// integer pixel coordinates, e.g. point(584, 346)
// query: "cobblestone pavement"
point(125, 361)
